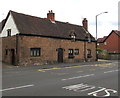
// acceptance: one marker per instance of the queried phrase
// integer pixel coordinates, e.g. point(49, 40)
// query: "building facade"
point(110, 43)
point(30, 40)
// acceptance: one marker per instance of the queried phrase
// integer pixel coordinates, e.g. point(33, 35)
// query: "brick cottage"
point(30, 40)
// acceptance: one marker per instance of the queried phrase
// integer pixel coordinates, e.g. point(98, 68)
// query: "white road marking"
point(101, 92)
point(88, 89)
point(111, 71)
point(16, 87)
point(78, 77)
point(79, 87)
point(95, 93)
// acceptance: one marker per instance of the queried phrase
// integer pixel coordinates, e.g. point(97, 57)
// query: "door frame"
point(60, 55)
point(12, 56)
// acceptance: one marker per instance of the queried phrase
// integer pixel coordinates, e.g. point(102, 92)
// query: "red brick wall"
point(8, 43)
point(49, 46)
point(112, 43)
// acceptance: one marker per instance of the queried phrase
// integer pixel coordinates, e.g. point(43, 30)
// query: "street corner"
point(5, 65)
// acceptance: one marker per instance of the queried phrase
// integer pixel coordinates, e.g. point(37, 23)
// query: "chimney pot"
point(51, 16)
point(85, 24)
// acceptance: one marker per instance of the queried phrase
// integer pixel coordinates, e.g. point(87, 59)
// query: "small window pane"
point(31, 53)
point(38, 52)
point(6, 51)
point(89, 53)
point(76, 51)
point(70, 51)
point(9, 32)
point(35, 52)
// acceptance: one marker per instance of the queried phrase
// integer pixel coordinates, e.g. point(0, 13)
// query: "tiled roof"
point(99, 40)
point(117, 32)
point(27, 24)
point(1, 25)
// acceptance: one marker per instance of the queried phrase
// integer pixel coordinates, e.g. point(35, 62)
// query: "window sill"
point(71, 56)
point(89, 56)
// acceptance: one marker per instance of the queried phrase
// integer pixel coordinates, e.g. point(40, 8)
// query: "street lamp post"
point(96, 22)
point(96, 31)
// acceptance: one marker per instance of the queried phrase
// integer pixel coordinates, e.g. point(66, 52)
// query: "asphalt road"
point(100, 80)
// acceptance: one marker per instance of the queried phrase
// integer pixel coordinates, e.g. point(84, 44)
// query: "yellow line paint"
point(43, 70)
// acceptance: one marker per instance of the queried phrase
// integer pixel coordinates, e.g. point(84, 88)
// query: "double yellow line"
point(55, 68)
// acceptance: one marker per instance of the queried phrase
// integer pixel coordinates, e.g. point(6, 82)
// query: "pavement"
point(97, 63)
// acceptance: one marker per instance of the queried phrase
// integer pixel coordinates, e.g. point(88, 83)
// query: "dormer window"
point(89, 39)
point(72, 35)
point(8, 32)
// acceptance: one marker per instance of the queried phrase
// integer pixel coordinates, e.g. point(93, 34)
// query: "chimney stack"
point(51, 16)
point(85, 24)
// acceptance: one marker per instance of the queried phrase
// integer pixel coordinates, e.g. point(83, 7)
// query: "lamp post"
point(96, 32)
point(96, 21)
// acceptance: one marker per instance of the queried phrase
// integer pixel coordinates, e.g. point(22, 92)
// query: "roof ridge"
point(117, 32)
point(69, 23)
point(25, 14)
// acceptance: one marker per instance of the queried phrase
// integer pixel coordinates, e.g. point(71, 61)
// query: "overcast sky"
point(72, 11)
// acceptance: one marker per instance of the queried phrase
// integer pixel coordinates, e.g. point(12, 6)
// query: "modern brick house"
point(30, 40)
point(110, 43)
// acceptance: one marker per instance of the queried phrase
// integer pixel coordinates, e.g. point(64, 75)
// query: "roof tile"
point(27, 24)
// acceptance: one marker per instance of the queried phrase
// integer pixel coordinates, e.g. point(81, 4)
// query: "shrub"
point(102, 54)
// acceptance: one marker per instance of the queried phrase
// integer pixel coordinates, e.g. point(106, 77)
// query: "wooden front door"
point(12, 56)
point(60, 55)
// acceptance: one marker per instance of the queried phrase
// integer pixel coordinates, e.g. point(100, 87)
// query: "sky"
point(72, 11)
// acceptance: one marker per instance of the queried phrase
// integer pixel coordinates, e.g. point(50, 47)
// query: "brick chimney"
point(85, 24)
point(51, 16)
